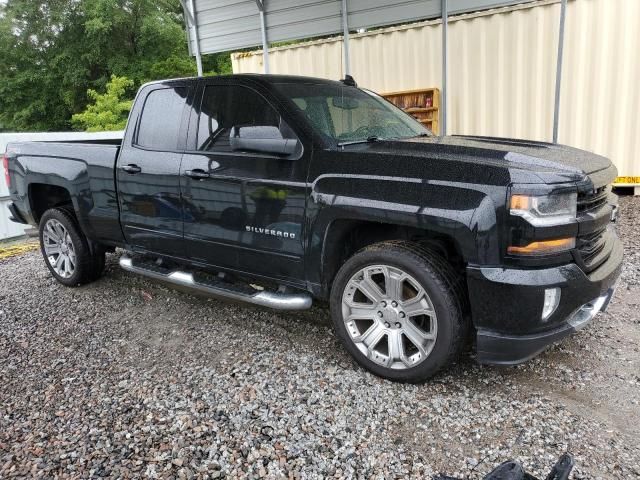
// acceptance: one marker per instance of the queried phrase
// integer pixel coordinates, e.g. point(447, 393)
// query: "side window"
point(227, 110)
point(161, 116)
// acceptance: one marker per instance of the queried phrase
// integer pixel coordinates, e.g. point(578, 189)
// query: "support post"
point(445, 62)
point(556, 107)
point(194, 33)
point(345, 38)
point(263, 29)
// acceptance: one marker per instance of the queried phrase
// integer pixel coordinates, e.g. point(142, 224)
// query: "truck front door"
point(244, 208)
point(148, 172)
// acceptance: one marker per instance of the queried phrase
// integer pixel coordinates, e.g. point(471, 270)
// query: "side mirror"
point(262, 139)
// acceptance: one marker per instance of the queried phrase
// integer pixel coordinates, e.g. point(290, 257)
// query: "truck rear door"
point(148, 170)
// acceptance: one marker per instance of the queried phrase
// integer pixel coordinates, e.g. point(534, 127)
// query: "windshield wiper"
point(371, 139)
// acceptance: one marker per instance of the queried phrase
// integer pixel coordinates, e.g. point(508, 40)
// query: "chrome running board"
point(241, 293)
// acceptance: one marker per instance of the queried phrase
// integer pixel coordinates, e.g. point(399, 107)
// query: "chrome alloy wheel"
point(59, 248)
point(389, 317)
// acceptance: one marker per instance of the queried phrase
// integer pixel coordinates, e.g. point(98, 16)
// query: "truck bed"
point(98, 141)
point(75, 149)
point(84, 168)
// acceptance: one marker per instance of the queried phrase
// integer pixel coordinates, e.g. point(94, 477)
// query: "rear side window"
point(161, 117)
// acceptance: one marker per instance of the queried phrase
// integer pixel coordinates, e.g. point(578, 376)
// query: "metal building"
point(553, 70)
point(222, 25)
point(502, 71)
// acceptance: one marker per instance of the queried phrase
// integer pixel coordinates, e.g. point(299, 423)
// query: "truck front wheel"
point(399, 310)
point(66, 250)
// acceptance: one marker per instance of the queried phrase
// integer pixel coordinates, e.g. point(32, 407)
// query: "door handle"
point(197, 174)
point(132, 169)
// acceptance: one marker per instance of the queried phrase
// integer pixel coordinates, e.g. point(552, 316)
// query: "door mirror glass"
point(262, 139)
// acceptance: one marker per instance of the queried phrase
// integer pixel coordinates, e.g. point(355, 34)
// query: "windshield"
point(351, 115)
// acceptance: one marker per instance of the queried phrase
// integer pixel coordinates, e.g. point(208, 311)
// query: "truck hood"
point(548, 162)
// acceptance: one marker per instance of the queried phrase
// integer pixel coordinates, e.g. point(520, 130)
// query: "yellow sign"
point(627, 180)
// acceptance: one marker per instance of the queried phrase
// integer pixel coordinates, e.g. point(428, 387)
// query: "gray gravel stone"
point(125, 378)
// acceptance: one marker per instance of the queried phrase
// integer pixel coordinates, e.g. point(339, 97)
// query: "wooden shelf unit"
point(423, 104)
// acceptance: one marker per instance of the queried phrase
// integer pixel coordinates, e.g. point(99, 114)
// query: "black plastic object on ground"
point(513, 470)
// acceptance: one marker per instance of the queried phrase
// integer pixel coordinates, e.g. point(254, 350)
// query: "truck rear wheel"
point(399, 310)
point(66, 250)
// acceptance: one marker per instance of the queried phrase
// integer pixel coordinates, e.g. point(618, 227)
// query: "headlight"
point(546, 210)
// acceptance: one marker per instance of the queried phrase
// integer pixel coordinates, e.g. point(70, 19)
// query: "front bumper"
point(506, 306)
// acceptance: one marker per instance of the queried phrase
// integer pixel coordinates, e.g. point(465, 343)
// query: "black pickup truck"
point(277, 190)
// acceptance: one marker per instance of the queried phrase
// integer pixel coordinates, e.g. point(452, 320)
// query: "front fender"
point(465, 213)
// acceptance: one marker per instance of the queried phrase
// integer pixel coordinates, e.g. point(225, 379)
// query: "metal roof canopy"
point(221, 25)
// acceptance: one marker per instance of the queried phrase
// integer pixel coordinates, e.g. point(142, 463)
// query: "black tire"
point(445, 288)
point(89, 265)
point(98, 253)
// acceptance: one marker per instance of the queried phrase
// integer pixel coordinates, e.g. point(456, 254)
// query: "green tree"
point(52, 52)
point(109, 110)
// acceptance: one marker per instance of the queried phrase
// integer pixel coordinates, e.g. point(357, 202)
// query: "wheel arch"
point(44, 196)
point(346, 236)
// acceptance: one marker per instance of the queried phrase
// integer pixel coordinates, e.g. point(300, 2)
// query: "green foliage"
point(52, 52)
point(217, 64)
point(172, 67)
point(109, 111)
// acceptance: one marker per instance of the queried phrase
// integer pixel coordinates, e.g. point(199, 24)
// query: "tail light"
point(5, 164)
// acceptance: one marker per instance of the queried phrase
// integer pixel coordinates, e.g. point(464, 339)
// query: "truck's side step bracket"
point(220, 289)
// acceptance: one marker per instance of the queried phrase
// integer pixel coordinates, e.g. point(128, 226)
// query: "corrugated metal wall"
point(9, 229)
point(227, 24)
point(601, 85)
point(502, 71)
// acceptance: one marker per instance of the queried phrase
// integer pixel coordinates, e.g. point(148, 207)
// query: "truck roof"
point(268, 79)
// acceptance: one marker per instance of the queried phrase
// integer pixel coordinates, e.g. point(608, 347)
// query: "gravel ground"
point(125, 378)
